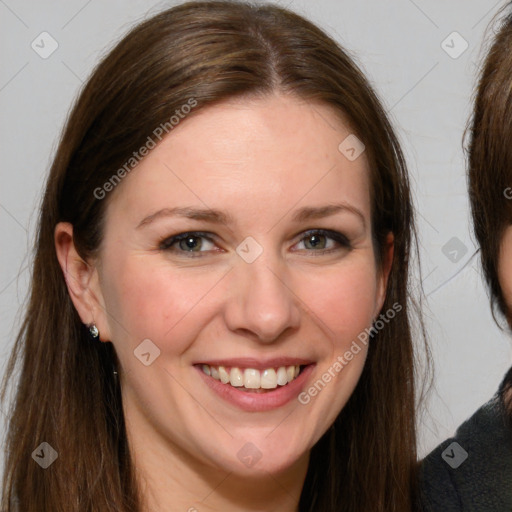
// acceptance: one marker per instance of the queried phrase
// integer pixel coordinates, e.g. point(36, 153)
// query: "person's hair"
point(203, 52)
point(489, 151)
point(490, 168)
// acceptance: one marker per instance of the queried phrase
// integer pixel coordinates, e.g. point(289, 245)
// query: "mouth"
point(253, 385)
point(253, 380)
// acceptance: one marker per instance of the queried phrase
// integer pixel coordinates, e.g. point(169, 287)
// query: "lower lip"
point(258, 402)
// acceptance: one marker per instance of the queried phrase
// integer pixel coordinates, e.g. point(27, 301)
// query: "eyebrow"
point(312, 213)
point(204, 214)
point(307, 213)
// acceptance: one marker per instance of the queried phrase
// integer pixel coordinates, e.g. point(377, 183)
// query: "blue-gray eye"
point(188, 242)
point(322, 240)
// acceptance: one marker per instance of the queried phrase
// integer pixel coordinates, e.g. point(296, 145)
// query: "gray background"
point(398, 43)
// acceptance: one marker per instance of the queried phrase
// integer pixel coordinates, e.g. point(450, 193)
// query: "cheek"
point(146, 300)
point(346, 305)
point(346, 301)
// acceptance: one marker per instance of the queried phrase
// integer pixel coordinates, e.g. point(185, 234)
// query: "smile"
point(251, 379)
point(256, 385)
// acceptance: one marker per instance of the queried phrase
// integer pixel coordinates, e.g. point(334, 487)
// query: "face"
point(236, 269)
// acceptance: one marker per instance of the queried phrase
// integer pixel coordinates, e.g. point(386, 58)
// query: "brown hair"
point(490, 158)
point(66, 395)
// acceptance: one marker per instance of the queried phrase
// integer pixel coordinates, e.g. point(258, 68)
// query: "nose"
point(261, 304)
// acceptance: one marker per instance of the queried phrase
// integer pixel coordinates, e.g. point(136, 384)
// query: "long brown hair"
point(490, 157)
point(489, 152)
point(66, 395)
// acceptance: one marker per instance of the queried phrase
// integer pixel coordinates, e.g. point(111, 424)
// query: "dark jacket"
point(472, 472)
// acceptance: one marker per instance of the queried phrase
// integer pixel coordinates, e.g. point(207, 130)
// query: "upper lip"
point(257, 364)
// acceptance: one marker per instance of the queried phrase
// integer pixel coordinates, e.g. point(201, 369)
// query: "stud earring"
point(93, 331)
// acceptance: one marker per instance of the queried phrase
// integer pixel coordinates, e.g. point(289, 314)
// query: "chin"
point(259, 456)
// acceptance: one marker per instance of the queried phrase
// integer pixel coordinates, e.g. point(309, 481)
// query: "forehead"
point(251, 154)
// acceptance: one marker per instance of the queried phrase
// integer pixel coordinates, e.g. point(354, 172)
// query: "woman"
point(473, 470)
point(220, 282)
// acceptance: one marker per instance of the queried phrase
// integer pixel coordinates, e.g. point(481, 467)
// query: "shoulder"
point(473, 470)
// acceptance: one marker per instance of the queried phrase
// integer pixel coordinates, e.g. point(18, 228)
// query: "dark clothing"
point(472, 472)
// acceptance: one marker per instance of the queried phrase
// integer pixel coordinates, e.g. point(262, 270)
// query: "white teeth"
point(268, 379)
point(214, 373)
point(282, 377)
point(236, 378)
point(251, 378)
point(224, 375)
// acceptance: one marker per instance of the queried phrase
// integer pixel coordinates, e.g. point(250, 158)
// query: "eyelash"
point(341, 240)
point(166, 245)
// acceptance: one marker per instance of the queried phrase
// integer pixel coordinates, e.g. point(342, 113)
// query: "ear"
point(81, 279)
point(383, 276)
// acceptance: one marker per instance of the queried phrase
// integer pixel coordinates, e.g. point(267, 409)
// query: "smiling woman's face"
point(242, 241)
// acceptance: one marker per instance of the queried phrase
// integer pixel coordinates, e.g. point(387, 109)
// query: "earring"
point(93, 331)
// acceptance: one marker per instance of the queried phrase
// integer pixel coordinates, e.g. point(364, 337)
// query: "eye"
point(321, 240)
point(192, 242)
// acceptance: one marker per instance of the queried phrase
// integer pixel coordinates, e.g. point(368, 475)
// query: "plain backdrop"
point(421, 56)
